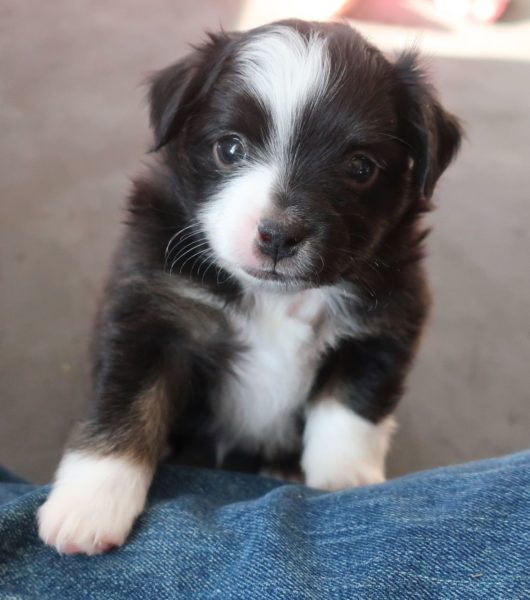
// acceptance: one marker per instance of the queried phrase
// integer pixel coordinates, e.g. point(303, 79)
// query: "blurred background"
point(73, 126)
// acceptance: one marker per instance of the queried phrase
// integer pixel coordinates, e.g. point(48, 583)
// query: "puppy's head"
point(298, 147)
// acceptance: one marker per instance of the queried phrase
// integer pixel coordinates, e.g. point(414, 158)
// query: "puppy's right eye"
point(362, 171)
point(229, 151)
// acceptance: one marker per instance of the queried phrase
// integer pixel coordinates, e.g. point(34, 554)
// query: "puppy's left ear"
point(433, 134)
point(178, 91)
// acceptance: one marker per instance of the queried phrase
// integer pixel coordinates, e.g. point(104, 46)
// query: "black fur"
point(148, 336)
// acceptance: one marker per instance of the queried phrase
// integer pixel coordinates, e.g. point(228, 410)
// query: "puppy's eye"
point(362, 170)
point(229, 151)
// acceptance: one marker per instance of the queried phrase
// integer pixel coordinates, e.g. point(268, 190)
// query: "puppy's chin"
point(270, 279)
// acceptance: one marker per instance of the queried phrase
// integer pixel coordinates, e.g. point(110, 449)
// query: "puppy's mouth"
point(267, 275)
point(275, 278)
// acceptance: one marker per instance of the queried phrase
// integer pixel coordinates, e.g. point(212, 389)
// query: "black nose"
point(279, 241)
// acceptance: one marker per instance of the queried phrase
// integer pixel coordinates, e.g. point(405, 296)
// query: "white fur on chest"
point(284, 337)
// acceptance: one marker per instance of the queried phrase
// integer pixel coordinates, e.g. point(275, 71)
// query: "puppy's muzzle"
point(278, 241)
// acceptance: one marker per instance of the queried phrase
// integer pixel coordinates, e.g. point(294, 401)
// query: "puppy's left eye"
point(229, 151)
point(362, 170)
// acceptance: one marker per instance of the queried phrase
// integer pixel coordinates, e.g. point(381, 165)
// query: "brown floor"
point(73, 128)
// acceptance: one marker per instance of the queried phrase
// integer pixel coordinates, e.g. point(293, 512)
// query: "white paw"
point(343, 450)
point(75, 520)
point(341, 475)
point(93, 504)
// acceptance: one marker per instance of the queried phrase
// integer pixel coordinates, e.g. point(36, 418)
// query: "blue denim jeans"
point(456, 532)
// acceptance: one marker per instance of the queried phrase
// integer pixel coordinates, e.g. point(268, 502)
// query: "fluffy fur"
point(267, 297)
point(93, 503)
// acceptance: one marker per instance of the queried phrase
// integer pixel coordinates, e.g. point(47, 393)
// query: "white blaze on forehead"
point(285, 72)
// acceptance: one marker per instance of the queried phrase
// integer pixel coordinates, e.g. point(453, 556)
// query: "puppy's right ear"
point(177, 91)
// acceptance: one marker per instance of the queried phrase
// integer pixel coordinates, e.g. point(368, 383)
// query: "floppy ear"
point(432, 133)
point(177, 91)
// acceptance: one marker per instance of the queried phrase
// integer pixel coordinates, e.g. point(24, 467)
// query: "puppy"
point(267, 298)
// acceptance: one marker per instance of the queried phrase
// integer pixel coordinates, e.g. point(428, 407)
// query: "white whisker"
point(193, 224)
point(171, 247)
point(202, 261)
point(193, 255)
point(181, 251)
point(210, 258)
point(189, 248)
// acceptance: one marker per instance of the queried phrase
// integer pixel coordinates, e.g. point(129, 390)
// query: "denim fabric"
point(458, 532)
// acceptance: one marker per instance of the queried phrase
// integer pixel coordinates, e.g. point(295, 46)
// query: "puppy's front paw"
point(77, 520)
point(343, 474)
point(343, 450)
point(93, 504)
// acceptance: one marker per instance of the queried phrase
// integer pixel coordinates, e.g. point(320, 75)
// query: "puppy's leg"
point(94, 502)
point(342, 449)
point(348, 425)
point(103, 479)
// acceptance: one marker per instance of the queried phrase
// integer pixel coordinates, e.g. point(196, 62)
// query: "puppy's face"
point(300, 146)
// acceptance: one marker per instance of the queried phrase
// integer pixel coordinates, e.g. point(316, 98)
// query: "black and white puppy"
point(268, 296)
